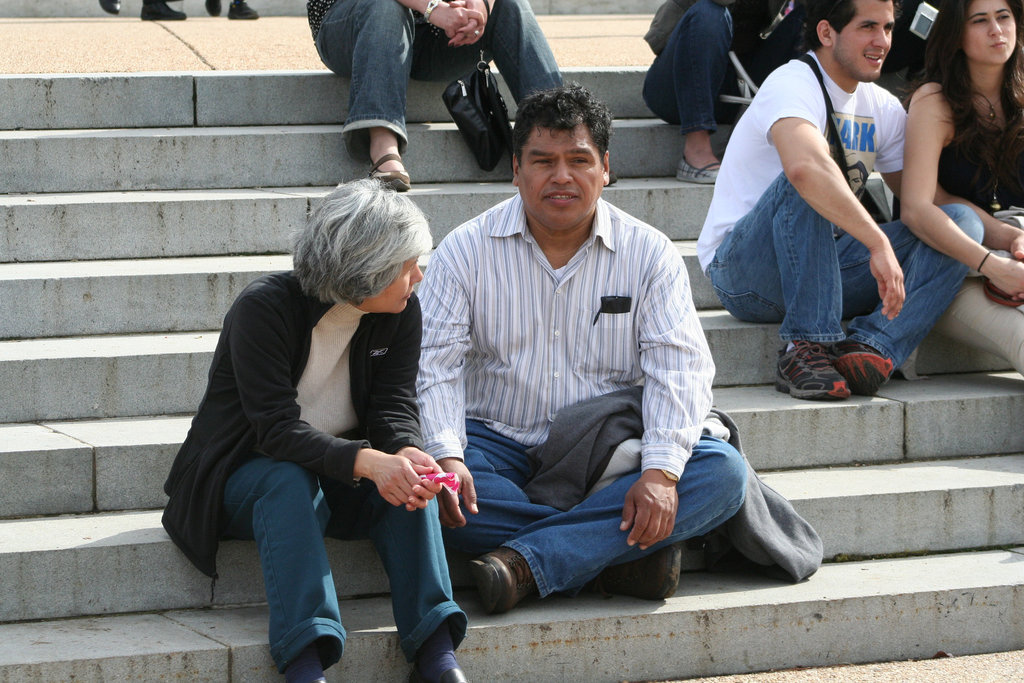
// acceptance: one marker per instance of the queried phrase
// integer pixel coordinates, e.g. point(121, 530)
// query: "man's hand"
point(650, 509)
point(398, 476)
point(889, 276)
point(450, 513)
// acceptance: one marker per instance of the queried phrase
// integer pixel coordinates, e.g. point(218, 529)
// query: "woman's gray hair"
point(355, 242)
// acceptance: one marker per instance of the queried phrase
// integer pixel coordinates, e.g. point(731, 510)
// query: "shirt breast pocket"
point(607, 349)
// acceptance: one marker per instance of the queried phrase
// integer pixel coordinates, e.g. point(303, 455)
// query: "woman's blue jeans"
point(283, 507)
point(567, 549)
point(783, 262)
point(684, 82)
point(379, 46)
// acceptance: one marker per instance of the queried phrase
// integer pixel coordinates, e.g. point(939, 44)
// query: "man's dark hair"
point(562, 108)
point(838, 13)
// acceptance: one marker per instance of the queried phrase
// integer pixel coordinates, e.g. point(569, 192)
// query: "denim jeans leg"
point(411, 549)
point(280, 506)
point(520, 50)
point(684, 81)
point(512, 38)
point(801, 286)
point(570, 548)
point(931, 280)
point(500, 469)
point(370, 41)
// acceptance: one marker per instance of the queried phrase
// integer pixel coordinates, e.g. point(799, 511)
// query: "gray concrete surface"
point(270, 156)
point(713, 624)
point(102, 563)
point(150, 224)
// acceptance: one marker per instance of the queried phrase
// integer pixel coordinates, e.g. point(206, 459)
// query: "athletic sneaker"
point(806, 372)
point(864, 368)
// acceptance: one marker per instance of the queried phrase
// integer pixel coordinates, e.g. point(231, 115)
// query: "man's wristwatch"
point(669, 475)
point(431, 6)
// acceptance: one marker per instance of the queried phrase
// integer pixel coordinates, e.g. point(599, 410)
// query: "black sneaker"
point(240, 10)
point(806, 372)
point(864, 368)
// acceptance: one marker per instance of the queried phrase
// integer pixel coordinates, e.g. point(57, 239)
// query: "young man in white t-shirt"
point(786, 238)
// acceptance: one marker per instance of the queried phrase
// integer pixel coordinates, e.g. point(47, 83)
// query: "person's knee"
point(967, 219)
point(293, 482)
point(710, 17)
point(733, 476)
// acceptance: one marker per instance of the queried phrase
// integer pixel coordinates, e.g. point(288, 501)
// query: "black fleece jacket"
point(250, 404)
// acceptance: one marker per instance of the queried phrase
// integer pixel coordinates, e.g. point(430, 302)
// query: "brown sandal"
point(395, 180)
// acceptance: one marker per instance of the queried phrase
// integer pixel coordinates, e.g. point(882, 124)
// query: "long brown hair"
point(977, 139)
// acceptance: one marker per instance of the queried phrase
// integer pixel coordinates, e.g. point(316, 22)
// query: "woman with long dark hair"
point(965, 143)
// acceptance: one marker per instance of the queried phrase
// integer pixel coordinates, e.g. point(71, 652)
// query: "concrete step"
point(88, 465)
point(103, 563)
point(262, 156)
point(288, 8)
point(245, 98)
point(715, 624)
point(747, 353)
point(154, 373)
point(120, 464)
point(156, 295)
point(151, 224)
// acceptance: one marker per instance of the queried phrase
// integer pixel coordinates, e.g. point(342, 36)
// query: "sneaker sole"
point(838, 392)
point(864, 372)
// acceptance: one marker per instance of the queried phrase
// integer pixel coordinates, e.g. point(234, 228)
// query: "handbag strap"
point(834, 144)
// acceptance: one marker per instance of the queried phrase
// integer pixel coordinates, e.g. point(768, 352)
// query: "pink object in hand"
point(450, 480)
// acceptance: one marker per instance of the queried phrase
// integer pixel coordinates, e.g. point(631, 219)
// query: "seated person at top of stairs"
point(379, 44)
point(965, 137)
point(692, 69)
point(786, 238)
point(309, 427)
point(159, 10)
point(548, 299)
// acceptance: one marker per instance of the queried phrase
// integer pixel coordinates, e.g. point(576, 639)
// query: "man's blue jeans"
point(567, 549)
point(684, 82)
point(783, 262)
point(284, 508)
point(378, 44)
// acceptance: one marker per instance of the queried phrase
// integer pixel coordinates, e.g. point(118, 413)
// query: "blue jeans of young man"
point(684, 82)
point(784, 262)
point(567, 549)
point(379, 45)
point(286, 510)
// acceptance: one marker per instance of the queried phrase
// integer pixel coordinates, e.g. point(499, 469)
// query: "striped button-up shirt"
point(508, 340)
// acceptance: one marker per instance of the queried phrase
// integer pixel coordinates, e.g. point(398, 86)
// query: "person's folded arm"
point(809, 166)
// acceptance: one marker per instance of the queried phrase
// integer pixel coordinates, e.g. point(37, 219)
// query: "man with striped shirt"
point(551, 298)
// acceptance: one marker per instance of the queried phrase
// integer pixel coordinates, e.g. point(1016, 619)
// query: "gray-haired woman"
point(309, 427)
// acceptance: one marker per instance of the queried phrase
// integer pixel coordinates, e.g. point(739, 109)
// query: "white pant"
point(983, 324)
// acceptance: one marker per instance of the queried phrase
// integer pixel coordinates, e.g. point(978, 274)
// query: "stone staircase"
point(138, 206)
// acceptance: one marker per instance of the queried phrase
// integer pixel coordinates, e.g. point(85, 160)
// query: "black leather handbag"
point(479, 111)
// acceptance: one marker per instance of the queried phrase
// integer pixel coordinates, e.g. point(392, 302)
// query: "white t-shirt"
point(870, 121)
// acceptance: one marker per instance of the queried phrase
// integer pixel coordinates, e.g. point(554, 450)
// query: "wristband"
point(431, 6)
point(984, 258)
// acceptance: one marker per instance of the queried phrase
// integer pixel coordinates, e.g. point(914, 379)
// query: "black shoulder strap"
point(835, 144)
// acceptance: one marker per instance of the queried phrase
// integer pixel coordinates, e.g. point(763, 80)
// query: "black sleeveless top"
point(965, 178)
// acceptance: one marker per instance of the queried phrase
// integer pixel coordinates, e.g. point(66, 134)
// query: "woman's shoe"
point(111, 6)
point(159, 11)
point(450, 676)
point(395, 180)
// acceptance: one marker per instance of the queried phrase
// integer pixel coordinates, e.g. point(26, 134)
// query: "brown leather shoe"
point(503, 578)
point(653, 577)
